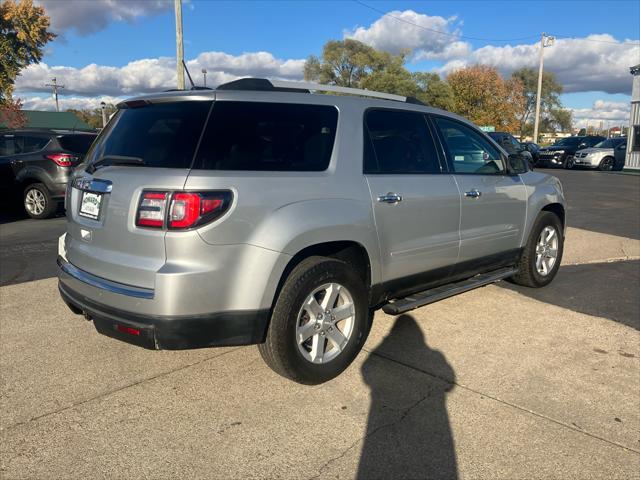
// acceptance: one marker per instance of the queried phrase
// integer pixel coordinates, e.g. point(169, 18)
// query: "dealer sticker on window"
point(90, 205)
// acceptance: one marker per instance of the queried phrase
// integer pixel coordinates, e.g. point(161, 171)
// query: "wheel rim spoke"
point(319, 337)
point(547, 250)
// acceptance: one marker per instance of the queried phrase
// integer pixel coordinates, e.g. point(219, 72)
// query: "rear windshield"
point(76, 143)
point(268, 137)
point(162, 134)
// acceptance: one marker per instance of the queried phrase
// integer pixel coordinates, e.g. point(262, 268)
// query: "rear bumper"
point(168, 332)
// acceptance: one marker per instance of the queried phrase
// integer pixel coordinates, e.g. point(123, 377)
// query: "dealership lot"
point(500, 382)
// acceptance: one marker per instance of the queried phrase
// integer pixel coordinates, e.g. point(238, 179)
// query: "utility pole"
point(179, 48)
point(545, 41)
point(54, 85)
point(204, 74)
point(103, 107)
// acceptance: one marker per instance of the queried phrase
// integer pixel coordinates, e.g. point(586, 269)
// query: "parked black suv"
point(35, 163)
point(559, 154)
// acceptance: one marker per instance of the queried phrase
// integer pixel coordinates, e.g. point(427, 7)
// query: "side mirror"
point(622, 146)
point(518, 164)
point(582, 145)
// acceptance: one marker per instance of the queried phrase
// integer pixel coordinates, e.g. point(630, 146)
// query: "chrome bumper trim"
point(103, 283)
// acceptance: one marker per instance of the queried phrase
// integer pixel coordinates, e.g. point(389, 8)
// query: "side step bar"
point(420, 299)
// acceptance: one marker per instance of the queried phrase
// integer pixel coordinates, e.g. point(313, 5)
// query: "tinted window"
point(398, 142)
point(34, 143)
point(76, 143)
point(468, 151)
point(162, 134)
point(10, 145)
point(268, 137)
point(569, 142)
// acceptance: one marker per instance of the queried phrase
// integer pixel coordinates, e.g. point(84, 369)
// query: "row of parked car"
point(591, 151)
point(35, 166)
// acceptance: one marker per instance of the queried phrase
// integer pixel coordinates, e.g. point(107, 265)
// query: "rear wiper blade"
point(114, 160)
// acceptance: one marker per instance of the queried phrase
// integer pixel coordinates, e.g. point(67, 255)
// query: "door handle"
point(390, 197)
point(475, 193)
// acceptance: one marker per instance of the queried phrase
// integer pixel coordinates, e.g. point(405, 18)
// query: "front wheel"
point(569, 163)
point(319, 323)
point(606, 164)
point(542, 254)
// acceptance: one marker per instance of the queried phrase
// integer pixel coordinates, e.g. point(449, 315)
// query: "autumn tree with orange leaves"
point(484, 97)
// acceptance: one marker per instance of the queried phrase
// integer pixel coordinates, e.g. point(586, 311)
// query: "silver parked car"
point(263, 213)
point(601, 156)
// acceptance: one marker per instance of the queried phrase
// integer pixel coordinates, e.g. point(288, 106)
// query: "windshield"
point(163, 134)
point(609, 143)
point(568, 142)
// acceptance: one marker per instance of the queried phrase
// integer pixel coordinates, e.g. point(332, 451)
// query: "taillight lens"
point(62, 159)
point(191, 209)
point(185, 210)
point(152, 208)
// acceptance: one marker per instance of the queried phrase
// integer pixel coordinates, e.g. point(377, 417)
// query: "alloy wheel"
point(35, 201)
point(325, 323)
point(546, 250)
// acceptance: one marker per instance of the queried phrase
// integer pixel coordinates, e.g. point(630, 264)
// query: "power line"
point(454, 35)
point(382, 12)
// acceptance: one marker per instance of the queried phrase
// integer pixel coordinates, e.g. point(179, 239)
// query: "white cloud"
point(78, 103)
point(398, 31)
point(89, 16)
point(580, 64)
point(609, 113)
point(155, 74)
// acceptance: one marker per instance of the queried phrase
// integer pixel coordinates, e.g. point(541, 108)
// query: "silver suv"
point(263, 213)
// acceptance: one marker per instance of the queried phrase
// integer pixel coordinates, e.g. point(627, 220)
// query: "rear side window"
point(268, 137)
point(76, 143)
point(34, 143)
point(398, 142)
point(164, 135)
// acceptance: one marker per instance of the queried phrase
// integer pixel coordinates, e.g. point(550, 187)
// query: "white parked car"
point(600, 156)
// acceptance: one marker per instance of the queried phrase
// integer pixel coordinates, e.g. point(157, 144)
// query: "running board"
point(420, 299)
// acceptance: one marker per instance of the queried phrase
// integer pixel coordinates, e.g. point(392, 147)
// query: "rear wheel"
point(319, 323)
point(606, 164)
point(542, 254)
point(38, 202)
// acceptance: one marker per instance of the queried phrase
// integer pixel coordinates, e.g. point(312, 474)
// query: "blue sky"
point(499, 32)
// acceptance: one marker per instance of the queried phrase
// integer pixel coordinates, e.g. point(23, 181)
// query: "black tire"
point(40, 191)
point(528, 274)
point(606, 164)
point(280, 350)
point(569, 163)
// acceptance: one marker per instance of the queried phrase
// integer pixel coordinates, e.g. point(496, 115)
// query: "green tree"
point(93, 116)
point(561, 119)
point(23, 35)
point(484, 97)
point(549, 98)
point(433, 91)
point(350, 63)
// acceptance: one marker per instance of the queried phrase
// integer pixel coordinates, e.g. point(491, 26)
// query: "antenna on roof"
point(193, 85)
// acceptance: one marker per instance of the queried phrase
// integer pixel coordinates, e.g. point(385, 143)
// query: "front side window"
point(261, 136)
point(467, 150)
point(398, 142)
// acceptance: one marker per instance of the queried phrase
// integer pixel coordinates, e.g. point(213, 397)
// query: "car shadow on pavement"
point(608, 290)
point(408, 431)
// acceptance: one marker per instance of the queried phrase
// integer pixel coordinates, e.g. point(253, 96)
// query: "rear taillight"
point(62, 159)
point(152, 209)
point(186, 209)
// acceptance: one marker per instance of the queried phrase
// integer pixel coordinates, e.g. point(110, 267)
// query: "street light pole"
point(545, 41)
point(179, 48)
point(103, 107)
point(204, 74)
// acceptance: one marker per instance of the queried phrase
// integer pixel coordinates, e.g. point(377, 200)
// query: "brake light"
point(151, 211)
point(62, 159)
point(181, 210)
point(190, 209)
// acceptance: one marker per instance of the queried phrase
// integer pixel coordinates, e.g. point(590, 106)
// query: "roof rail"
point(262, 84)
